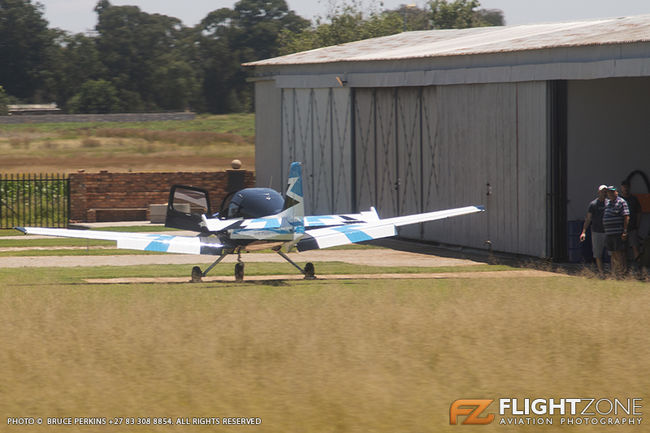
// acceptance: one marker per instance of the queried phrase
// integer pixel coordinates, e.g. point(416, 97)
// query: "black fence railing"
point(34, 200)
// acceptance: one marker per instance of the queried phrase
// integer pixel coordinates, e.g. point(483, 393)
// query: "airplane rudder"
point(295, 181)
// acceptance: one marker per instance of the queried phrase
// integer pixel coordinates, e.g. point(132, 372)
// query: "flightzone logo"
point(471, 410)
point(547, 411)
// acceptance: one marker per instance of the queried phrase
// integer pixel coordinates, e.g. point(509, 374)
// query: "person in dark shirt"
point(616, 218)
point(595, 219)
point(635, 217)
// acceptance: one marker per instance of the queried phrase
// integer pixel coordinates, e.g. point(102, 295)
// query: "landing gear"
point(239, 272)
point(197, 274)
point(308, 272)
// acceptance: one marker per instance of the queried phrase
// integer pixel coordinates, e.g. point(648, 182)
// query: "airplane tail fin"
point(294, 201)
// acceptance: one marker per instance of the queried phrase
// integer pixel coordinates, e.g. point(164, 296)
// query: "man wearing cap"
point(616, 218)
point(595, 219)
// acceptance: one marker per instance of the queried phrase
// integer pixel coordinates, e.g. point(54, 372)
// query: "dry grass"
point(207, 143)
point(183, 138)
point(377, 356)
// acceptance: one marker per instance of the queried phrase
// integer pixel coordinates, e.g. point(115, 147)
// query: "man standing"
point(616, 218)
point(635, 217)
point(595, 218)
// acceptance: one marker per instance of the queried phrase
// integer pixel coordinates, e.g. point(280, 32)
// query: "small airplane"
point(253, 219)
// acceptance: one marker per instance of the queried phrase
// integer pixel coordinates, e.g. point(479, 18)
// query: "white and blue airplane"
point(254, 219)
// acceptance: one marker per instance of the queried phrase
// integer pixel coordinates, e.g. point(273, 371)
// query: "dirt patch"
point(392, 276)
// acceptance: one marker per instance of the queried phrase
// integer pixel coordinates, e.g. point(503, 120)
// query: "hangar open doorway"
point(608, 137)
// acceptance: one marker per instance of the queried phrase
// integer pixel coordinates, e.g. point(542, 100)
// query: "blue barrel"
point(578, 252)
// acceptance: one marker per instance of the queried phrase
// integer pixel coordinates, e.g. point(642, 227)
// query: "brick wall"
point(123, 196)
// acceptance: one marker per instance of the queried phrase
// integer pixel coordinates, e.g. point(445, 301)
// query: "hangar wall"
point(317, 130)
point(435, 147)
point(268, 136)
point(608, 136)
point(416, 149)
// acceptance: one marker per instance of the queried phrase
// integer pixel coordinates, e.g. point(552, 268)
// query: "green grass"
point(27, 241)
point(241, 124)
point(317, 356)
point(135, 229)
point(78, 274)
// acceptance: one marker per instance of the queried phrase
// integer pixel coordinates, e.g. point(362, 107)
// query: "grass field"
point(350, 356)
point(208, 142)
point(304, 356)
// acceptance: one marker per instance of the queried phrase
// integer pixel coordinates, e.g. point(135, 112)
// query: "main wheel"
point(239, 272)
point(310, 271)
point(197, 274)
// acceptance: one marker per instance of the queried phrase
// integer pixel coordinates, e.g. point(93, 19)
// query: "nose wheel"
point(239, 272)
point(197, 274)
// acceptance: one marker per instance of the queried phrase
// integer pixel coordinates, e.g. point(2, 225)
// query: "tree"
point(462, 14)
point(143, 55)
point(414, 18)
point(227, 38)
point(24, 41)
point(345, 23)
point(257, 25)
point(4, 101)
point(491, 17)
point(73, 59)
point(95, 97)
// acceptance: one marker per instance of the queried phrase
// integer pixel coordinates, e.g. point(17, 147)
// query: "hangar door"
point(388, 150)
point(419, 149)
point(316, 130)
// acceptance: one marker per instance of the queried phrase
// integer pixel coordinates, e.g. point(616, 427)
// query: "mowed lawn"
point(320, 356)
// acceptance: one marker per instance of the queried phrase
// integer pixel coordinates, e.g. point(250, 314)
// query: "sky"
point(78, 15)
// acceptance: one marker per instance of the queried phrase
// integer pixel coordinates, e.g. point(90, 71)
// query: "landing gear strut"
point(308, 272)
point(197, 274)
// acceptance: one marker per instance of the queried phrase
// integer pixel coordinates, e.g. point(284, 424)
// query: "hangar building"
point(527, 120)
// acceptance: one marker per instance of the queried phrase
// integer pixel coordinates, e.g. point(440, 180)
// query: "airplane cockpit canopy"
point(255, 203)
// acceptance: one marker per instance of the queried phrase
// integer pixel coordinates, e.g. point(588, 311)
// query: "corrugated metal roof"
point(481, 40)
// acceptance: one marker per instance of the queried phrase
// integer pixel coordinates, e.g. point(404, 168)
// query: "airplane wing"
point(381, 228)
point(273, 222)
point(139, 241)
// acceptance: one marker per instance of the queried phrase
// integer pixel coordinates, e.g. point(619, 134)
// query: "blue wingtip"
point(481, 208)
point(21, 229)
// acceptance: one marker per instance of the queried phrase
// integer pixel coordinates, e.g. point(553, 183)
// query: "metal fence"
point(34, 200)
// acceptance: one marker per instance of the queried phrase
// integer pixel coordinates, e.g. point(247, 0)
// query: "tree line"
point(135, 61)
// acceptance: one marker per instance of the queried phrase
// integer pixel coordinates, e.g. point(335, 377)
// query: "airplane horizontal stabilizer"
point(139, 241)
